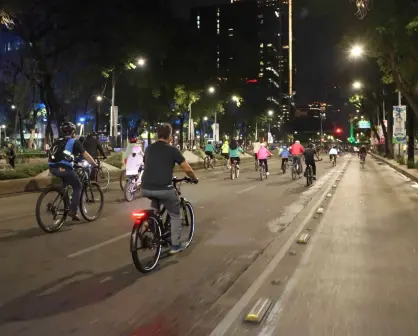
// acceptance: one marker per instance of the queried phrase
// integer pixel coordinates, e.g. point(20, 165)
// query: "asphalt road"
point(81, 280)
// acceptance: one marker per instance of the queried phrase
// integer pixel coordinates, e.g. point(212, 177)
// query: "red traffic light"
point(338, 130)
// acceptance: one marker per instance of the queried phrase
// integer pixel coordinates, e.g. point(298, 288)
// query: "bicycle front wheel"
point(57, 206)
point(294, 174)
point(187, 223)
point(92, 201)
point(103, 177)
point(146, 237)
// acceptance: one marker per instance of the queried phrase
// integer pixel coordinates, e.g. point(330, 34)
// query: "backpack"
point(61, 152)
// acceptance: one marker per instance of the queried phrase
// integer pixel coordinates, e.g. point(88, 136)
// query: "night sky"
point(314, 53)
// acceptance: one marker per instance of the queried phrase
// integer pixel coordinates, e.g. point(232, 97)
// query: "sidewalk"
point(411, 173)
point(359, 273)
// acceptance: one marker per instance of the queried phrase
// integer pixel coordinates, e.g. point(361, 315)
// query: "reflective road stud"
point(329, 195)
point(320, 211)
point(257, 313)
point(303, 239)
point(334, 186)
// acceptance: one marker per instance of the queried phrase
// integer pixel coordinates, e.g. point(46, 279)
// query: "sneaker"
point(314, 177)
point(75, 217)
point(177, 248)
point(267, 173)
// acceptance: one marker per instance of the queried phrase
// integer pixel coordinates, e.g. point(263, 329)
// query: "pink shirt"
point(297, 149)
point(263, 153)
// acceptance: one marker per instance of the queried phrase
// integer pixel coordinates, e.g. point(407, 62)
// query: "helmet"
point(94, 134)
point(297, 142)
point(67, 128)
point(284, 147)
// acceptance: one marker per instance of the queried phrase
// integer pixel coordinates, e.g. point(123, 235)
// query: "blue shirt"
point(234, 153)
point(209, 148)
point(284, 154)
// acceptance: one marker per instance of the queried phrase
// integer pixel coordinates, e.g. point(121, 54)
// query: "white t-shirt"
point(256, 147)
point(133, 163)
point(333, 151)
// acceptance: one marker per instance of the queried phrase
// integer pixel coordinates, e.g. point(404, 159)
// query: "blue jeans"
point(298, 161)
point(69, 177)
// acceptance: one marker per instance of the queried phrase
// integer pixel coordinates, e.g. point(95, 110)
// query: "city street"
point(356, 276)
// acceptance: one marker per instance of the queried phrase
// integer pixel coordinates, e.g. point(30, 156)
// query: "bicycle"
point(208, 162)
point(309, 174)
point(101, 175)
point(122, 179)
point(362, 160)
point(225, 164)
point(285, 166)
point(256, 164)
point(133, 184)
point(151, 221)
point(60, 206)
point(334, 160)
point(295, 170)
point(234, 171)
point(263, 173)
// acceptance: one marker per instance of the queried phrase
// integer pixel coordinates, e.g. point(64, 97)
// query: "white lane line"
point(414, 185)
point(97, 246)
point(235, 312)
point(245, 190)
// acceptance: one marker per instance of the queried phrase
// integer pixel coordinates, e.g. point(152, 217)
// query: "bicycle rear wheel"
point(262, 173)
point(91, 194)
point(188, 223)
point(294, 173)
point(206, 162)
point(146, 236)
point(233, 173)
point(129, 191)
point(103, 177)
point(58, 208)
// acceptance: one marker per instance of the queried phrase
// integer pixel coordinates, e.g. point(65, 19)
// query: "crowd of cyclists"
point(159, 160)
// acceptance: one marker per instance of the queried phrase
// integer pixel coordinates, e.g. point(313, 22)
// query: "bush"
point(115, 160)
point(23, 171)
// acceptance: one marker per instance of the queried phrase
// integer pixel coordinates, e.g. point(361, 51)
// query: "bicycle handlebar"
point(184, 179)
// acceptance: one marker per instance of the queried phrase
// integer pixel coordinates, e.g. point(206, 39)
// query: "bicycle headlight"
point(86, 164)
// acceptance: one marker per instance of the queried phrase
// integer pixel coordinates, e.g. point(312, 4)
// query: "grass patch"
point(23, 171)
point(115, 160)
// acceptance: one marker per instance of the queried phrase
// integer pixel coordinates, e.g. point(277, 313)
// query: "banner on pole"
point(399, 122)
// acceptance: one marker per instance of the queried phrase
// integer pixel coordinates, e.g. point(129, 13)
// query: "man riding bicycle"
point(363, 153)
point(60, 163)
point(333, 153)
point(297, 150)
point(310, 154)
point(159, 161)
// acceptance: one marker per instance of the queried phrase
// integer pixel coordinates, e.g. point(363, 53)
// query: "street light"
point(13, 107)
point(141, 62)
point(356, 51)
point(211, 89)
point(99, 98)
point(270, 113)
point(235, 99)
point(357, 85)
point(205, 118)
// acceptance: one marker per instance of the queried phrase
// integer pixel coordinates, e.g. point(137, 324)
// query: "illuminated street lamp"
point(357, 85)
point(270, 113)
point(211, 89)
point(141, 62)
point(99, 98)
point(13, 107)
point(235, 99)
point(356, 51)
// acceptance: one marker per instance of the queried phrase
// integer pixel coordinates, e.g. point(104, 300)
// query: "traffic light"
point(338, 130)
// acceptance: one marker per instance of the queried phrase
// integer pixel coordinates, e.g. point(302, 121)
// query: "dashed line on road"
point(97, 246)
point(415, 185)
point(245, 190)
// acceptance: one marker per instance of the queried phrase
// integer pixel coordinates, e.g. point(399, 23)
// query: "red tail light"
point(138, 215)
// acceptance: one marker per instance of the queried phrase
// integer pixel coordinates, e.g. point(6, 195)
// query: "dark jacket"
point(92, 145)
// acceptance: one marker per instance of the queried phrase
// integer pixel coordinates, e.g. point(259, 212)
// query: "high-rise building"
point(247, 45)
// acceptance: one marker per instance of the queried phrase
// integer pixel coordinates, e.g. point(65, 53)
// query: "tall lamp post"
point(113, 117)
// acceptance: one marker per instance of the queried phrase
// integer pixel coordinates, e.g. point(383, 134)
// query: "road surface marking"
point(108, 278)
point(97, 246)
point(274, 315)
point(235, 312)
point(414, 185)
point(245, 190)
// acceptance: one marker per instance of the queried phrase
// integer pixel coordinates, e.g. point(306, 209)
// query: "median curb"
point(35, 184)
point(411, 173)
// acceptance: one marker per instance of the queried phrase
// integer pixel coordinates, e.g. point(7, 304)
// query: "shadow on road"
point(69, 293)
point(16, 235)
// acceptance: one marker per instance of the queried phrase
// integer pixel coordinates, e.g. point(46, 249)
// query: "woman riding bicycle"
point(235, 152)
point(262, 155)
point(210, 150)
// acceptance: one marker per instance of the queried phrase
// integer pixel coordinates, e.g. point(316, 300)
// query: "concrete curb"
point(34, 184)
point(411, 173)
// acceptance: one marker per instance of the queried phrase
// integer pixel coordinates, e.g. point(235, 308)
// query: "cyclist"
point(284, 154)
point(209, 150)
point(333, 153)
point(159, 160)
point(363, 153)
point(60, 163)
point(256, 147)
point(225, 151)
point(92, 145)
point(235, 152)
point(297, 150)
point(310, 153)
point(262, 155)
